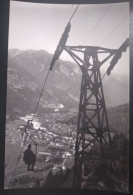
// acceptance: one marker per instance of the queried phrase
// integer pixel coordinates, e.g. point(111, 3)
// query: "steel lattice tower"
point(92, 119)
point(93, 124)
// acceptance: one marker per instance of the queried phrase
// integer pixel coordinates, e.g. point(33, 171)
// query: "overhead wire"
point(73, 13)
point(40, 96)
point(95, 26)
point(114, 29)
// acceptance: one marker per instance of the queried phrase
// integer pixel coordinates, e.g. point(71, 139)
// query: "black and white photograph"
point(67, 101)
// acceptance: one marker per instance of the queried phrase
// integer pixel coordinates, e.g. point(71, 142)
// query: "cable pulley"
point(61, 45)
point(117, 56)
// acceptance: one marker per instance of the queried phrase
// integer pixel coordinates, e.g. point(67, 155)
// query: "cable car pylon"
point(93, 125)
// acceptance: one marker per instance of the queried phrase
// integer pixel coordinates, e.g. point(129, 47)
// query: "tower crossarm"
point(96, 48)
point(78, 52)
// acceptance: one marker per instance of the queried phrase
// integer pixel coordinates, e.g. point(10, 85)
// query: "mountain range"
point(27, 71)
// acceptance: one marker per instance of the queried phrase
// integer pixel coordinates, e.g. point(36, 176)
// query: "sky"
point(40, 26)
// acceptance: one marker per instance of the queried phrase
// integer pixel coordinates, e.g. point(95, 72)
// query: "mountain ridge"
point(27, 71)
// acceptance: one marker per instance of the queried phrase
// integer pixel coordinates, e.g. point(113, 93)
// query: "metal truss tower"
point(93, 124)
point(92, 119)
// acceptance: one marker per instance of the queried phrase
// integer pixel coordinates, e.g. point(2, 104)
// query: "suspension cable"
point(114, 29)
point(40, 96)
point(106, 11)
point(73, 13)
